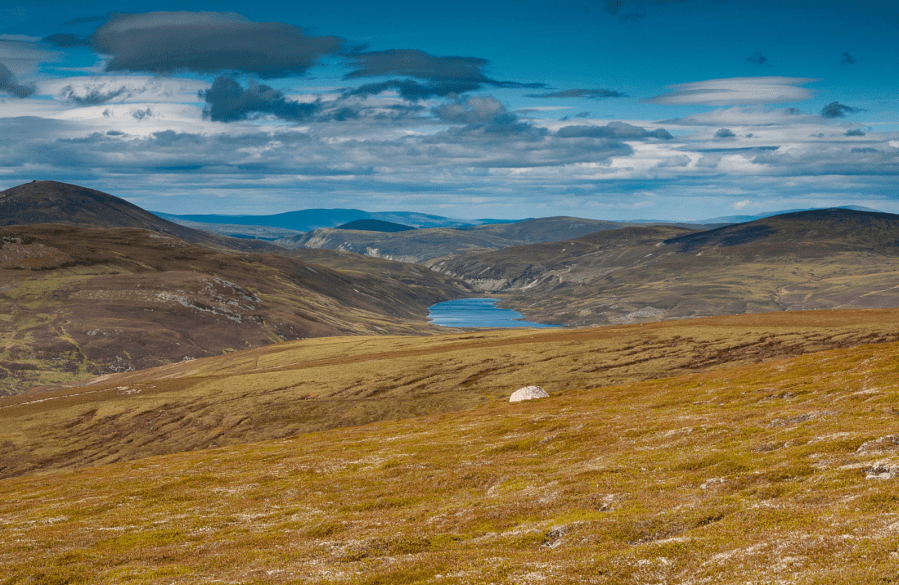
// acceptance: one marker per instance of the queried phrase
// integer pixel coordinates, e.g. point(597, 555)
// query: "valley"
point(184, 407)
point(508, 293)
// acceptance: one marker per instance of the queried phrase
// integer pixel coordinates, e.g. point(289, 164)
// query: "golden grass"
point(748, 474)
point(291, 388)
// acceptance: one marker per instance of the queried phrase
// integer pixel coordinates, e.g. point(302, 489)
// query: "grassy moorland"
point(295, 387)
point(782, 471)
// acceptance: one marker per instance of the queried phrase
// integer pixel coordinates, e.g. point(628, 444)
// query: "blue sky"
point(670, 109)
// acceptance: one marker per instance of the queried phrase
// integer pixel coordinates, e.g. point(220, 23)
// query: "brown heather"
point(726, 450)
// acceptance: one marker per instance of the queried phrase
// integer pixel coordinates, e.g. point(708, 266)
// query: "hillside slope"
point(76, 302)
point(425, 244)
point(42, 202)
point(747, 474)
point(822, 259)
point(295, 387)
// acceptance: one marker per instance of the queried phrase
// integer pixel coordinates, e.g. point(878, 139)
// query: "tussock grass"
point(754, 473)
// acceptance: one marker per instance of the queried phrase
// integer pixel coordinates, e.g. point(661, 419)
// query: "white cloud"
point(742, 204)
point(737, 91)
point(747, 116)
point(122, 89)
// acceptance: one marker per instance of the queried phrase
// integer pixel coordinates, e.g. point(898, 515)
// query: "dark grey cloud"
point(612, 130)
point(94, 97)
point(725, 133)
point(758, 60)
point(208, 42)
point(66, 41)
point(483, 112)
point(838, 110)
point(230, 102)
point(418, 64)
point(580, 93)
point(439, 70)
point(854, 132)
point(847, 59)
point(9, 84)
point(414, 91)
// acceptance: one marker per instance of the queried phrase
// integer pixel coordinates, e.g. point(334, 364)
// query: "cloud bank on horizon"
point(624, 109)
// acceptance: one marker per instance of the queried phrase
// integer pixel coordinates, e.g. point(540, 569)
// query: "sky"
point(607, 109)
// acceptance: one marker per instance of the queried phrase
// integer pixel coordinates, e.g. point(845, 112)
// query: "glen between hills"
point(821, 259)
point(729, 472)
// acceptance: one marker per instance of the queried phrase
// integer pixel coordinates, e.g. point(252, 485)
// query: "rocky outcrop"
point(528, 393)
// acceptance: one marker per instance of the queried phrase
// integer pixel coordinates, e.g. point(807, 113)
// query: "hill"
point(374, 225)
point(422, 245)
point(820, 259)
point(727, 472)
point(41, 202)
point(79, 302)
point(729, 219)
point(716, 222)
point(837, 228)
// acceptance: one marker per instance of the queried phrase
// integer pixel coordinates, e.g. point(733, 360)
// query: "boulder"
point(528, 393)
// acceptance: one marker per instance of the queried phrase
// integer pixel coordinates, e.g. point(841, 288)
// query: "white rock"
point(528, 393)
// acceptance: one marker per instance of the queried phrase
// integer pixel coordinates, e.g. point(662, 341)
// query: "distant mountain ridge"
point(425, 244)
point(289, 227)
point(729, 219)
point(310, 219)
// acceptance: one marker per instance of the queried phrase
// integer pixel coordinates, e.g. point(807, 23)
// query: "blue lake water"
point(477, 313)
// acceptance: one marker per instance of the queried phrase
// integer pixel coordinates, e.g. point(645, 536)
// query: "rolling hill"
point(41, 202)
point(374, 225)
point(820, 259)
point(77, 302)
point(665, 454)
point(421, 245)
point(309, 385)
